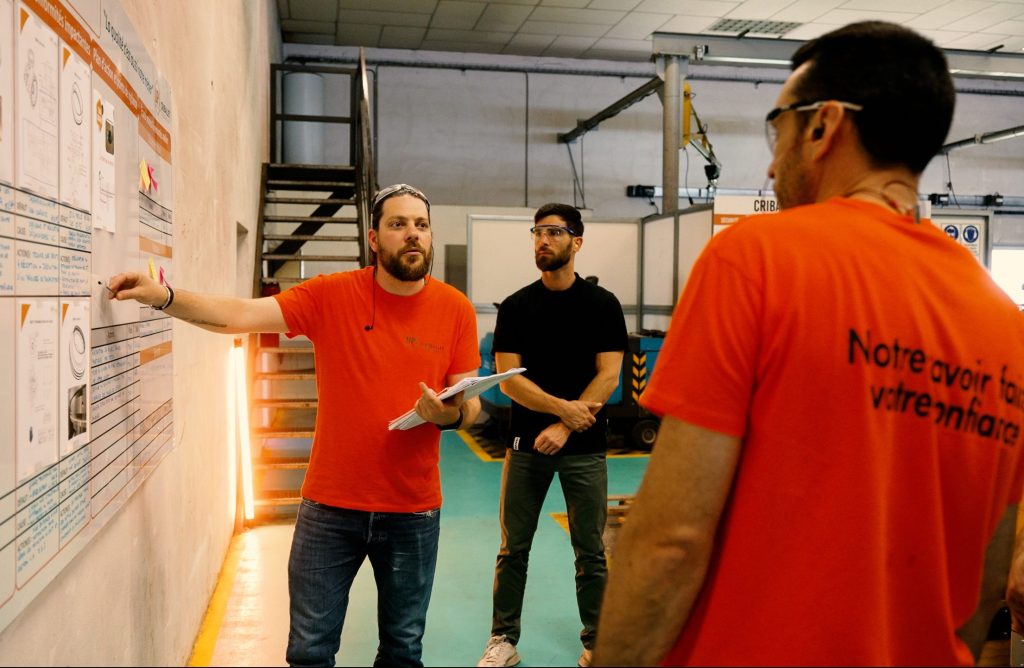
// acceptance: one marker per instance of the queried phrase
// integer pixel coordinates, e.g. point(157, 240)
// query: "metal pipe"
point(670, 134)
point(985, 138)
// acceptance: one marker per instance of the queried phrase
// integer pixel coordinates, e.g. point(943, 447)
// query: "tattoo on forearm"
point(205, 322)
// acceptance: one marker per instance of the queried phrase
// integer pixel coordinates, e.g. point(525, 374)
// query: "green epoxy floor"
point(255, 626)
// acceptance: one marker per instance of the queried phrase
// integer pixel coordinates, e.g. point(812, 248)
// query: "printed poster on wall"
point(75, 154)
point(36, 386)
point(6, 92)
point(36, 75)
point(104, 190)
point(74, 349)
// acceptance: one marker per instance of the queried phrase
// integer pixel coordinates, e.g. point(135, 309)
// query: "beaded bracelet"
point(170, 299)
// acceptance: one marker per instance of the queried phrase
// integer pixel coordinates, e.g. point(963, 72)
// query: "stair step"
point(298, 374)
point(311, 219)
point(285, 184)
point(307, 237)
point(283, 433)
point(289, 497)
point(307, 200)
point(297, 350)
point(311, 258)
point(285, 403)
point(296, 172)
point(281, 463)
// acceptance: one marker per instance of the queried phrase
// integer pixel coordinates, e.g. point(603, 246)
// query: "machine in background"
point(626, 417)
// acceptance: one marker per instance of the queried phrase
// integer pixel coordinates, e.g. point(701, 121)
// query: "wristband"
point(453, 425)
point(166, 304)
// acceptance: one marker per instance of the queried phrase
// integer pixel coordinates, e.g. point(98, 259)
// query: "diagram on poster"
point(75, 156)
point(6, 92)
point(104, 191)
point(36, 83)
point(74, 348)
point(36, 366)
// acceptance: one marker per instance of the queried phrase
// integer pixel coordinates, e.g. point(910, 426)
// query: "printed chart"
point(85, 192)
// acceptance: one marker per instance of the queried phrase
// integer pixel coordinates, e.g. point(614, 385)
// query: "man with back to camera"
point(837, 449)
point(368, 492)
point(570, 335)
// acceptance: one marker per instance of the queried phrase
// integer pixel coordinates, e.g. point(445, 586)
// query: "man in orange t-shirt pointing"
point(384, 336)
point(841, 392)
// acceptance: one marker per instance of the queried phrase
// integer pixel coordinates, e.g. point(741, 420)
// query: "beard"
point(792, 186)
point(401, 267)
point(553, 262)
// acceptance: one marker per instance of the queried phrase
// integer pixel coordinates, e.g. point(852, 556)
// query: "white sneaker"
point(499, 652)
point(585, 658)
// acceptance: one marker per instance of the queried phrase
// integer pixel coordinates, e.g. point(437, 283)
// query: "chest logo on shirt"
point(413, 342)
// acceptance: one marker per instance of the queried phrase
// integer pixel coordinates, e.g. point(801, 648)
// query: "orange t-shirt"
point(873, 372)
point(366, 378)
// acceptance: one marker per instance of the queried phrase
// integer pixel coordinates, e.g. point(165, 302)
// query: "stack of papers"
point(471, 386)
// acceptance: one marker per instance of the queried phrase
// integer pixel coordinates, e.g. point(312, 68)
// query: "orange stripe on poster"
point(63, 22)
point(152, 247)
point(154, 352)
point(63, 311)
point(154, 134)
point(111, 75)
point(726, 219)
point(24, 313)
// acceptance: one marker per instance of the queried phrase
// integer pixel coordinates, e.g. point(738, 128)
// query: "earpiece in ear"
point(818, 132)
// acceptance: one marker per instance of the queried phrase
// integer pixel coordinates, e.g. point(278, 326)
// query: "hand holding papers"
point(471, 386)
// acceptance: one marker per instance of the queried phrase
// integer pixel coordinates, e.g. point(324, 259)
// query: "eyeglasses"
point(771, 133)
point(552, 231)
point(398, 189)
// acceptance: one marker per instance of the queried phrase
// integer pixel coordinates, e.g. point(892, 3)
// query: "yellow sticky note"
point(152, 269)
point(144, 178)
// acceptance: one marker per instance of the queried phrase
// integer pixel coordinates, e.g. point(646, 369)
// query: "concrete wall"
point(138, 591)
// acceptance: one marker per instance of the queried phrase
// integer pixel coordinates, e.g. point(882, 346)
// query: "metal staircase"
point(313, 220)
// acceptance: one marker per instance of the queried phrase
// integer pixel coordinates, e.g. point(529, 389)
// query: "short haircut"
point(570, 214)
point(386, 193)
point(901, 79)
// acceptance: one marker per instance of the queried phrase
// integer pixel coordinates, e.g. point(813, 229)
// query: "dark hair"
point(386, 193)
point(901, 78)
point(570, 214)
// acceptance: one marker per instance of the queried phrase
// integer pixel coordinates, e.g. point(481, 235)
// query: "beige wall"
point(137, 593)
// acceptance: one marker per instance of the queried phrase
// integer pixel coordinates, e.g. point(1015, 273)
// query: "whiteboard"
point(501, 257)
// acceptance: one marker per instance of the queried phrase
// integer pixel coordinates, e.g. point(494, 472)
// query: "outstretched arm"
point(668, 536)
point(214, 313)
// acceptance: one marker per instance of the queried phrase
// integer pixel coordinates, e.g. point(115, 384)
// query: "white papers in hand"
point(471, 386)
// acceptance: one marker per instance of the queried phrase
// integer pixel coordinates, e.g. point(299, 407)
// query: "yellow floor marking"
point(206, 640)
point(475, 446)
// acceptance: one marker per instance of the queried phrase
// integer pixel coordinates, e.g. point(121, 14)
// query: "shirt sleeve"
point(506, 329)
point(466, 355)
point(705, 371)
point(302, 307)
point(611, 328)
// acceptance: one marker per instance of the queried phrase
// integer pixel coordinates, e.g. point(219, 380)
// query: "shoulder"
point(594, 292)
point(524, 294)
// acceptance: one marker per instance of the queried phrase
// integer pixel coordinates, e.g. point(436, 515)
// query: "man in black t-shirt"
point(570, 335)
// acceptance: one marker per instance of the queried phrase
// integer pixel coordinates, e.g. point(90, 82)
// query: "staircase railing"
point(366, 168)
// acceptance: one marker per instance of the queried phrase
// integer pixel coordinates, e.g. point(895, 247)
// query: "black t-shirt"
point(558, 335)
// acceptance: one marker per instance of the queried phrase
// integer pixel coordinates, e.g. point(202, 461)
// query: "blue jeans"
point(329, 546)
